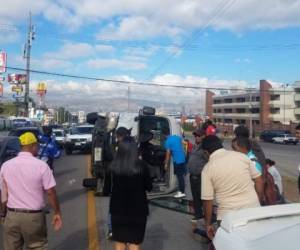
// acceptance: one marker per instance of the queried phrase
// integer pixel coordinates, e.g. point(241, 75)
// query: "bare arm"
point(259, 187)
point(208, 212)
point(167, 159)
point(52, 197)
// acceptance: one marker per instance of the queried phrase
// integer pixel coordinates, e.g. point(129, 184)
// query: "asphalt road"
point(287, 157)
point(84, 228)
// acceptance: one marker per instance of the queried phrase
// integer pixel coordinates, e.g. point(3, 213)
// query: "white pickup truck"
point(79, 138)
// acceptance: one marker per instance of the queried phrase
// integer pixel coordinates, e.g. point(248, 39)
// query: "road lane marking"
point(93, 239)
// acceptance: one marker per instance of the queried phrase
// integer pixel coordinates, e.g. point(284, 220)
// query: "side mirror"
point(91, 118)
point(136, 119)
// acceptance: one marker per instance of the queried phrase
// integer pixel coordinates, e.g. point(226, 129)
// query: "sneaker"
point(195, 220)
point(109, 235)
point(179, 195)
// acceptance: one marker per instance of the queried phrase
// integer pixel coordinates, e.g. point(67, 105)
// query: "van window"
point(158, 126)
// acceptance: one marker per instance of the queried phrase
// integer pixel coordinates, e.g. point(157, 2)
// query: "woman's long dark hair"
point(126, 159)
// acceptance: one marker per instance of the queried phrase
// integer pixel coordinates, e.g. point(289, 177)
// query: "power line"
point(218, 12)
point(138, 83)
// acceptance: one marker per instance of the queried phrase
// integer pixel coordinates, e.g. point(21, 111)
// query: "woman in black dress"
point(128, 204)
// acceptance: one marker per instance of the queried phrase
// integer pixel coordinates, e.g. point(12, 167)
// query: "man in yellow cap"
point(26, 179)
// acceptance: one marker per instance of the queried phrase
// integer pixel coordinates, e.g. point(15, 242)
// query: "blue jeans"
point(180, 172)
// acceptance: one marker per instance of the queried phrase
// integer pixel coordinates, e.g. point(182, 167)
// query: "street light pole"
point(250, 118)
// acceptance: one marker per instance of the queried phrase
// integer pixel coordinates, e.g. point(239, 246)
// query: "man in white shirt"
point(231, 179)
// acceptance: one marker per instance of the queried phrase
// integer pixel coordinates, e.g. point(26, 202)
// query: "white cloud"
point(72, 51)
point(115, 63)
point(136, 19)
point(91, 95)
point(104, 48)
point(137, 28)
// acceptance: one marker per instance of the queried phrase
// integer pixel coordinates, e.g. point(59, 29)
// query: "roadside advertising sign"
point(1, 89)
point(3, 59)
point(17, 78)
point(17, 89)
point(41, 89)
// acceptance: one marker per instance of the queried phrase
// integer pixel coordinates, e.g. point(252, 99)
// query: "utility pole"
point(128, 98)
point(30, 38)
point(250, 108)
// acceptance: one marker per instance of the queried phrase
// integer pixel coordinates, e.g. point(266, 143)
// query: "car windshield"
point(58, 133)
point(82, 130)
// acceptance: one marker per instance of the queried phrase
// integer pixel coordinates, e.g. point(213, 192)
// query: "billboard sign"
point(1, 89)
point(16, 78)
point(41, 89)
point(17, 89)
point(3, 59)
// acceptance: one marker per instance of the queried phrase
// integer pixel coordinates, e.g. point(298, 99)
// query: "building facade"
point(265, 106)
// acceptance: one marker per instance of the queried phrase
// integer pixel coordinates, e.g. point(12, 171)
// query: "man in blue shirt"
point(174, 147)
point(243, 145)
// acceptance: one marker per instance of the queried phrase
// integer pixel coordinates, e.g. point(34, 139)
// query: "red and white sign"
point(1, 89)
point(16, 79)
point(3, 58)
point(17, 89)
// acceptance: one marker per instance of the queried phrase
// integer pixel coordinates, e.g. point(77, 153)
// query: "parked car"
point(79, 138)
point(286, 139)
point(268, 135)
point(59, 135)
point(262, 228)
point(37, 131)
point(9, 148)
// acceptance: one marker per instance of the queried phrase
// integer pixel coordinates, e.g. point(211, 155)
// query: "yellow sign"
point(42, 87)
point(17, 89)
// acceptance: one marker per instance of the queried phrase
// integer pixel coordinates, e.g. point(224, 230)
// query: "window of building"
point(217, 102)
point(240, 111)
point(241, 121)
point(257, 98)
point(215, 111)
point(227, 111)
point(228, 101)
point(227, 120)
point(275, 97)
point(255, 110)
point(240, 99)
point(256, 122)
point(275, 110)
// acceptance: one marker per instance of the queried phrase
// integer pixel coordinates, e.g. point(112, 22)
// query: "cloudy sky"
point(205, 43)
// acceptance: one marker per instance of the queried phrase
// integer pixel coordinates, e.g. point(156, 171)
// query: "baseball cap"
point(27, 139)
point(199, 132)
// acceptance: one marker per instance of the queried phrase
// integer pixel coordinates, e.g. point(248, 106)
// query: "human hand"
point(57, 222)
point(166, 167)
point(210, 230)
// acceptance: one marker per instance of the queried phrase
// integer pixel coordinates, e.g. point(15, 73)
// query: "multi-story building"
point(297, 100)
point(265, 106)
point(81, 117)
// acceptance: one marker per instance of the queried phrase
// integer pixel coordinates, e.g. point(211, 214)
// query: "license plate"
point(98, 154)
point(77, 143)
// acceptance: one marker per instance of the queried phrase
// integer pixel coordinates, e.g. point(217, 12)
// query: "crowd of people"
point(227, 179)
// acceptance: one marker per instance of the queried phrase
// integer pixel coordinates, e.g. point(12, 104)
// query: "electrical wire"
point(220, 11)
point(138, 83)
